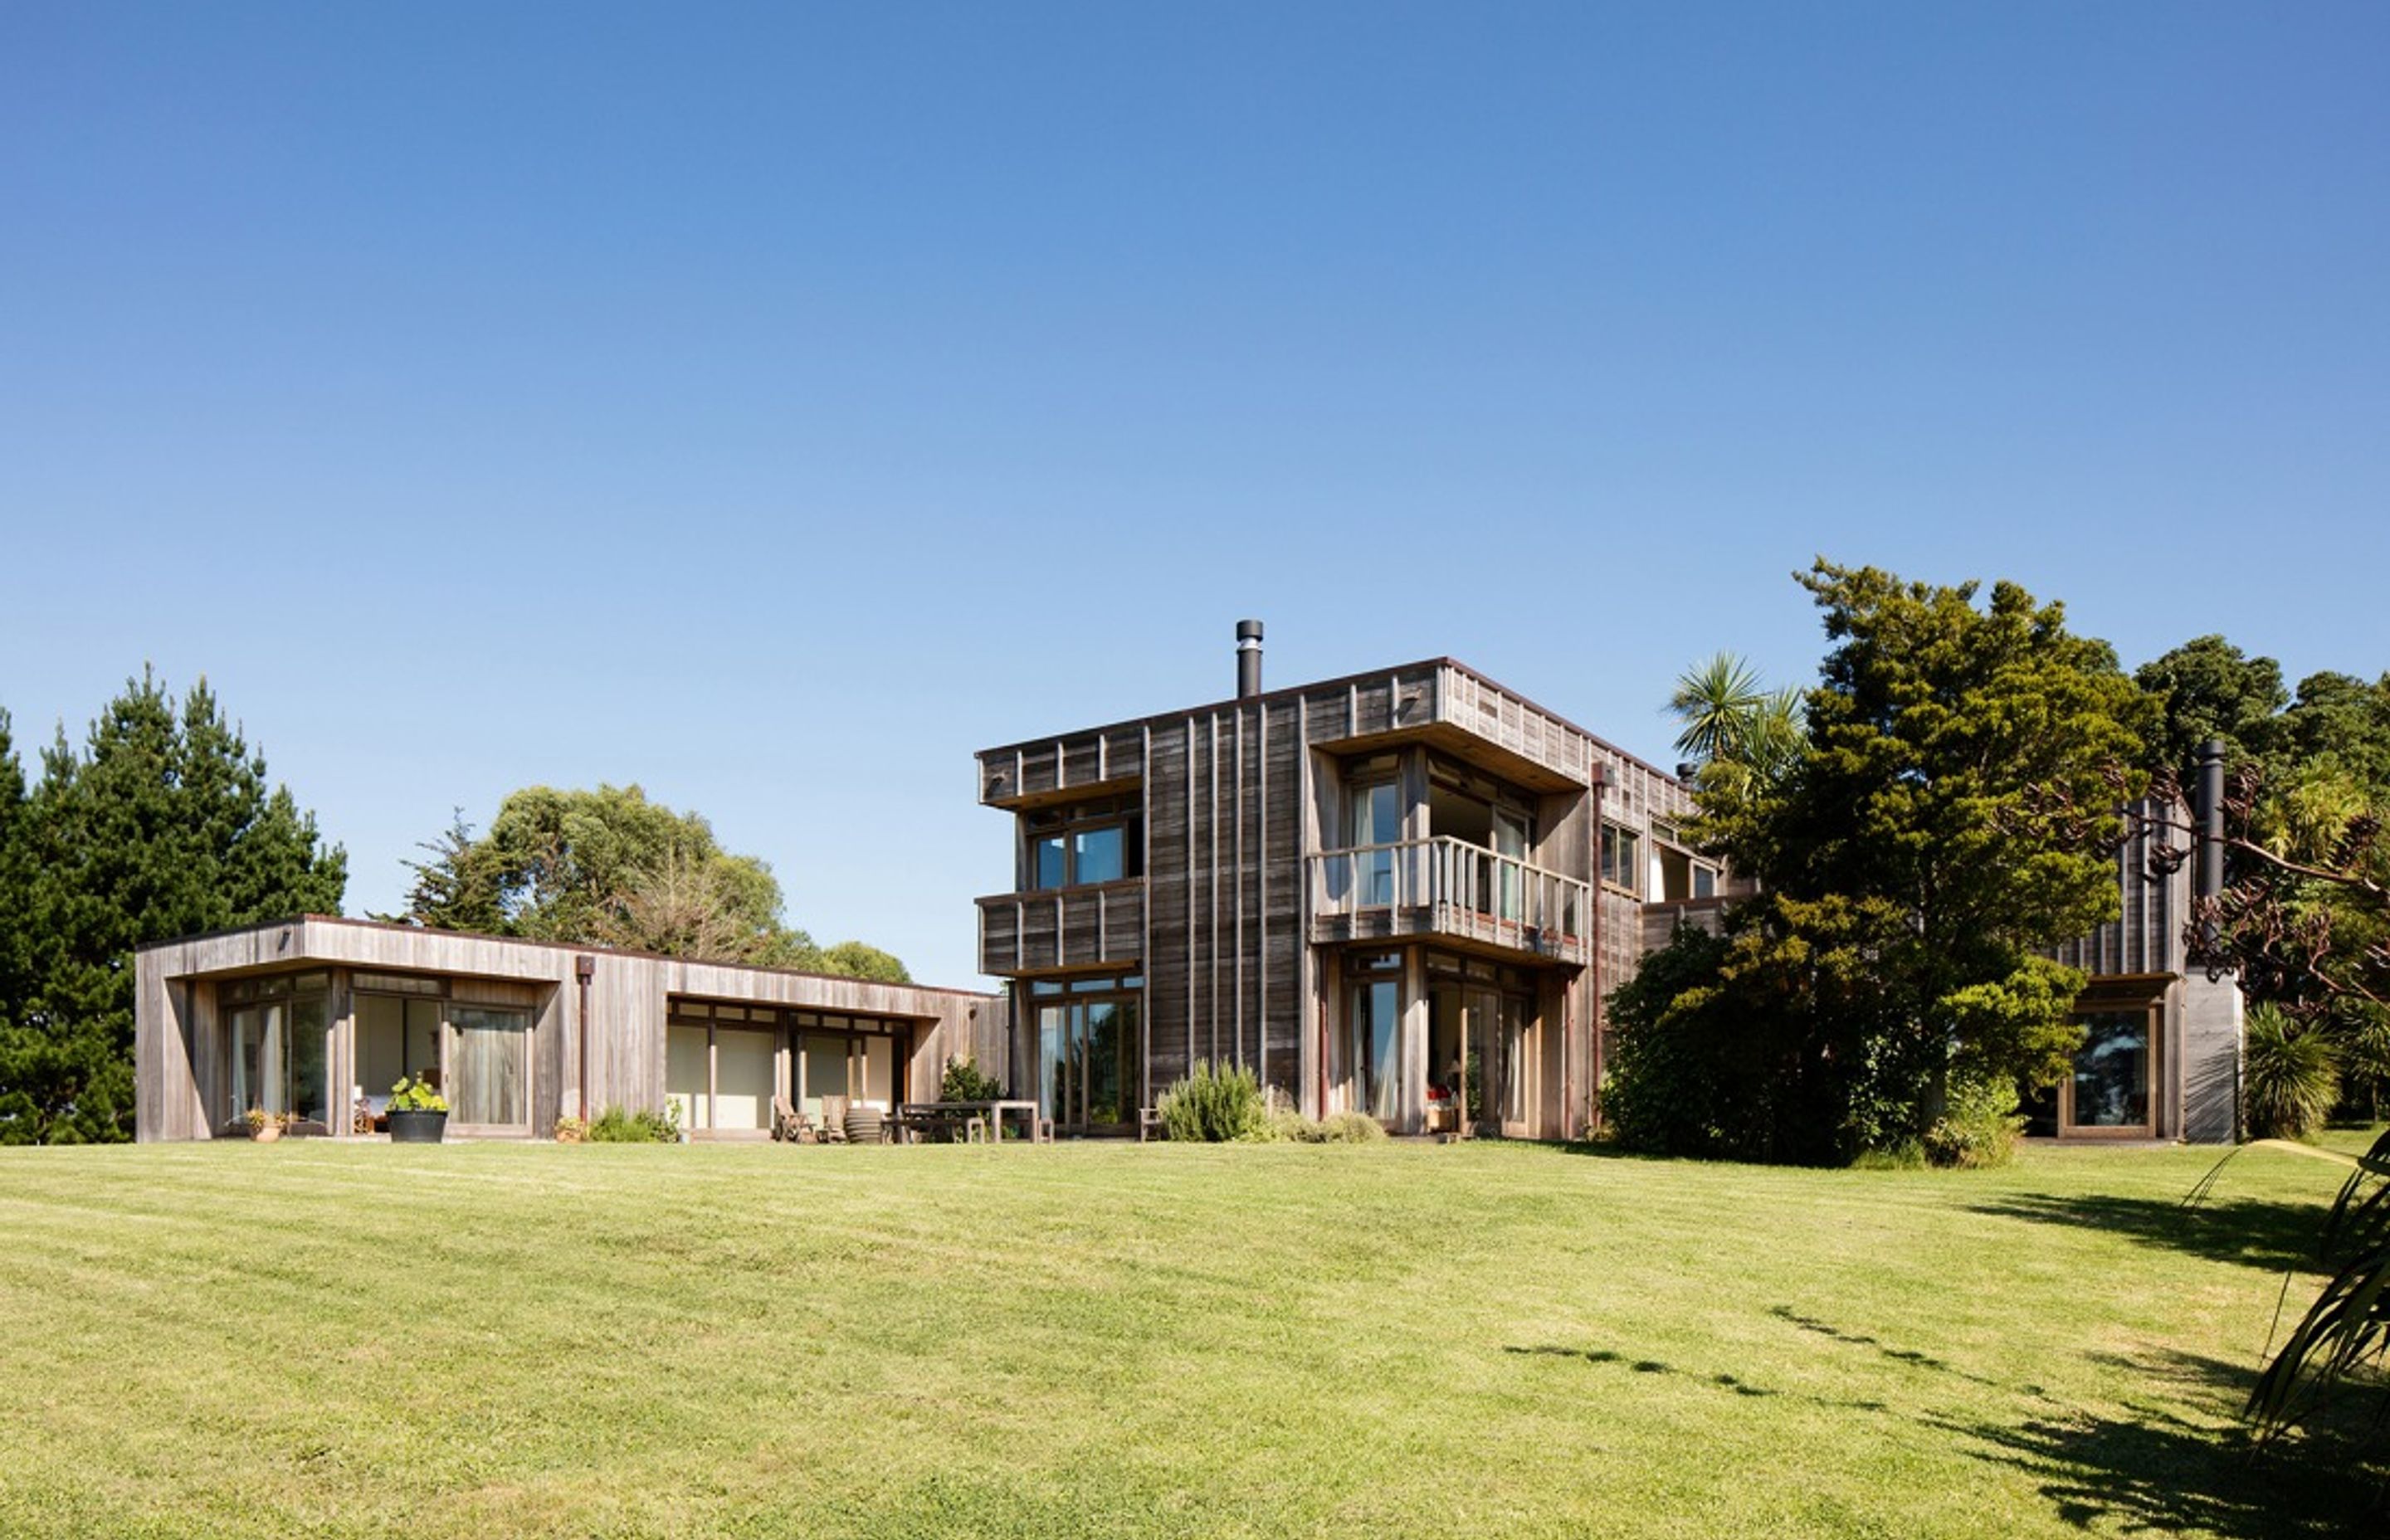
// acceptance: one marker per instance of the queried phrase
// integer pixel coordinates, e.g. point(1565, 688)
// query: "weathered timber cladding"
point(178, 1041)
point(1097, 927)
point(2147, 935)
point(1239, 796)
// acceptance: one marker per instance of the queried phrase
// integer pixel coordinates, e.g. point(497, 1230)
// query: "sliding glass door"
point(1090, 1054)
point(277, 1042)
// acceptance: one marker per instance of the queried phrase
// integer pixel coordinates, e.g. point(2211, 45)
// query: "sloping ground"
point(1116, 1340)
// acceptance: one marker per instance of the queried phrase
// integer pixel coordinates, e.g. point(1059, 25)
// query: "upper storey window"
point(1096, 842)
point(1622, 858)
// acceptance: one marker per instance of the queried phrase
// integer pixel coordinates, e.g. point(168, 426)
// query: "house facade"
point(1401, 893)
point(2160, 1057)
point(307, 1017)
point(1406, 893)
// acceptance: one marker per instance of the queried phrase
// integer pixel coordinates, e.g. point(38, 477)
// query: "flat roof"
point(1285, 691)
point(549, 945)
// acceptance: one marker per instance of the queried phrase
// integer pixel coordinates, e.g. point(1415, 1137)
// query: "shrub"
point(1350, 1128)
point(1214, 1105)
point(415, 1096)
point(964, 1082)
point(1980, 1126)
point(618, 1126)
point(1285, 1125)
point(2290, 1074)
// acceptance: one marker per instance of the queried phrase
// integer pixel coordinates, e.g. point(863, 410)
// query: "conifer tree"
point(162, 824)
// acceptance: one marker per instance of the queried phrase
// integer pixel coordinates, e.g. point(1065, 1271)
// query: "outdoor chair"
point(833, 1116)
point(789, 1124)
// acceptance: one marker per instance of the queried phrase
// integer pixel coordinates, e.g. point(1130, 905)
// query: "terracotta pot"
point(266, 1134)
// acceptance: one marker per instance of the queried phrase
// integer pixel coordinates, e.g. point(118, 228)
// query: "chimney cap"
point(1249, 630)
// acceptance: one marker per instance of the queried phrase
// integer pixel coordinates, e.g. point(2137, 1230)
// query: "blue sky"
point(771, 406)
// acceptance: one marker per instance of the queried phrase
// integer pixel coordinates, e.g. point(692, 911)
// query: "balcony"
point(1097, 925)
point(1452, 889)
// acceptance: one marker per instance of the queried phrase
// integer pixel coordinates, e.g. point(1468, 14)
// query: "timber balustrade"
point(1451, 888)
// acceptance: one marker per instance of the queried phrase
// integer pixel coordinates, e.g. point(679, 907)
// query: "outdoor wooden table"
point(918, 1114)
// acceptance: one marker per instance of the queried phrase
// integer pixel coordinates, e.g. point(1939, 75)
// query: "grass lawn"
point(494, 1339)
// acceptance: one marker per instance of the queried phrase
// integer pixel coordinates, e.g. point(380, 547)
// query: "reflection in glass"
point(1050, 872)
point(2111, 1071)
point(307, 1095)
point(1089, 1063)
point(1372, 1046)
point(1376, 820)
point(1101, 855)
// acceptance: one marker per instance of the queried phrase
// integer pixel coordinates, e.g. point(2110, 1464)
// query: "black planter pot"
point(417, 1127)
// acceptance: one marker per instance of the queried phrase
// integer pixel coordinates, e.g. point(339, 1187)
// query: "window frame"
point(1066, 827)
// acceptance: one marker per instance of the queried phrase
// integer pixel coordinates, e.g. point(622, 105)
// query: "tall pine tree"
point(164, 825)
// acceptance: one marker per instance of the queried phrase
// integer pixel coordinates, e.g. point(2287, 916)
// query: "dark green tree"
point(164, 825)
point(2340, 715)
point(458, 886)
point(16, 872)
point(1946, 823)
point(2207, 687)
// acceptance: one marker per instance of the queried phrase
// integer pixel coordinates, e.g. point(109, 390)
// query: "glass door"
point(2109, 1091)
point(1510, 882)
point(1089, 1062)
point(1518, 1088)
point(280, 1060)
point(1374, 826)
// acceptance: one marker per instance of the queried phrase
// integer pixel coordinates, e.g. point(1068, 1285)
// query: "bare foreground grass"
point(1112, 1340)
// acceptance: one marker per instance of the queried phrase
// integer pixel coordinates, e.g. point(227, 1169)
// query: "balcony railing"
point(1451, 888)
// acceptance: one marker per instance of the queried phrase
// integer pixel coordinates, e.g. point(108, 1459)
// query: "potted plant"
point(264, 1126)
point(418, 1114)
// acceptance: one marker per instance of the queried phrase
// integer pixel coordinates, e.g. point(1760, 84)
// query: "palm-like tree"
point(1745, 734)
point(1716, 701)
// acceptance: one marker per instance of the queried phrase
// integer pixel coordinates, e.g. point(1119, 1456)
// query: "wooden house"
point(305, 1018)
point(1403, 892)
point(1406, 893)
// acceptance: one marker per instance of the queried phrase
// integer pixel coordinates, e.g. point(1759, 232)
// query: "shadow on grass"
point(2256, 1232)
point(1728, 1382)
point(2145, 1471)
point(2152, 1471)
point(1912, 1356)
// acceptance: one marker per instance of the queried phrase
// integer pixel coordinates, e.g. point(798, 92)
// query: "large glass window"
point(1090, 1052)
point(277, 1047)
point(394, 1038)
point(1073, 846)
point(2111, 1071)
point(1374, 1000)
point(1622, 858)
point(1373, 825)
point(1099, 855)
